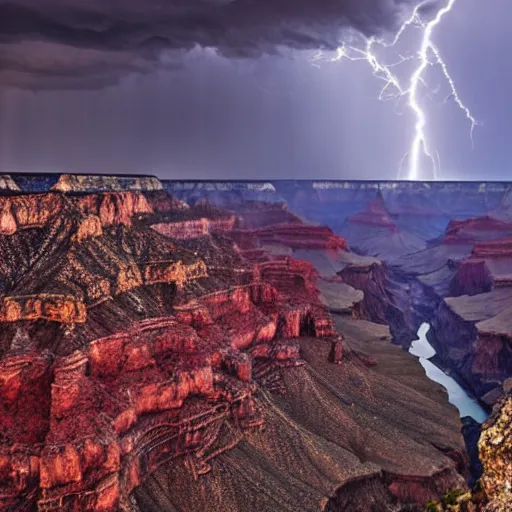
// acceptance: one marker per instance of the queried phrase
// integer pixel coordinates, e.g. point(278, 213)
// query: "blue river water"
point(456, 394)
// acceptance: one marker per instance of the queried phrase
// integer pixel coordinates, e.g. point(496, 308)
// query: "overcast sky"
point(194, 114)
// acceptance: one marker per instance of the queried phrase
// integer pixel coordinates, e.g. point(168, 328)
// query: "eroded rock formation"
point(7, 183)
point(102, 183)
point(156, 356)
point(495, 447)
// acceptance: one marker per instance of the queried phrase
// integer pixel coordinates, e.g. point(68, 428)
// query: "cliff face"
point(376, 214)
point(472, 335)
point(294, 236)
point(100, 183)
point(7, 183)
point(194, 228)
point(20, 212)
point(115, 207)
point(149, 363)
point(495, 448)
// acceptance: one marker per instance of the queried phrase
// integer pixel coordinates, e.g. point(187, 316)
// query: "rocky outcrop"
point(295, 236)
point(163, 203)
point(376, 214)
point(472, 277)
point(495, 448)
point(57, 308)
point(104, 183)
point(114, 208)
point(258, 214)
point(154, 368)
point(476, 229)
point(7, 183)
point(470, 333)
point(27, 211)
point(194, 228)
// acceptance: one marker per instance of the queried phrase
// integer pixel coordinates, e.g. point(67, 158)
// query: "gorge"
point(458, 396)
point(244, 346)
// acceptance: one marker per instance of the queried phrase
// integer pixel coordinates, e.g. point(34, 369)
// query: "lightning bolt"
point(393, 88)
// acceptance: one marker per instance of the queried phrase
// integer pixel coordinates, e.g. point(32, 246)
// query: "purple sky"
point(267, 117)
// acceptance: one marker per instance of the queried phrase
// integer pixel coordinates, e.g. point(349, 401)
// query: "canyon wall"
point(155, 351)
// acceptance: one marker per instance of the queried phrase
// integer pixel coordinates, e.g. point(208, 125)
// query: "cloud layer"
point(93, 43)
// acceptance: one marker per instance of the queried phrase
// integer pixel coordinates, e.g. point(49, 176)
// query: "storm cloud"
point(65, 44)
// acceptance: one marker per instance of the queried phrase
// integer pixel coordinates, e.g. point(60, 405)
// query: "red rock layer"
point(25, 211)
point(194, 228)
point(114, 207)
point(145, 379)
point(501, 248)
point(475, 229)
point(81, 429)
point(255, 214)
point(54, 307)
point(295, 236)
point(37, 210)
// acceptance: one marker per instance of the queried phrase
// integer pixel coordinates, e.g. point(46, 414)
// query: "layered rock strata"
point(184, 368)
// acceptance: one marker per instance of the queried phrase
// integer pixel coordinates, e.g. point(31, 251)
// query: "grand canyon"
point(249, 346)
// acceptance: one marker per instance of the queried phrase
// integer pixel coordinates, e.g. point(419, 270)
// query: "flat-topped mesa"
point(194, 228)
point(501, 248)
point(472, 334)
point(113, 208)
point(28, 211)
point(475, 230)
point(489, 266)
point(294, 236)
point(495, 452)
point(376, 214)
point(7, 183)
point(100, 183)
point(257, 214)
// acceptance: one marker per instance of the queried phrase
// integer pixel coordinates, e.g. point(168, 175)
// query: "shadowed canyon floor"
point(171, 346)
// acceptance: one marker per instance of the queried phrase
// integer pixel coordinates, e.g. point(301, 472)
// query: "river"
point(456, 394)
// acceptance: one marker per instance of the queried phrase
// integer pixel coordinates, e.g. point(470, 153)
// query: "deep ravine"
point(457, 395)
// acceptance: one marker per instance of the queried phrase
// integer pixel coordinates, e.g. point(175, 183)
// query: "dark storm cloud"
point(90, 43)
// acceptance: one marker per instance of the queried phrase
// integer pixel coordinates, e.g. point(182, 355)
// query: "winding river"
point(456, 394)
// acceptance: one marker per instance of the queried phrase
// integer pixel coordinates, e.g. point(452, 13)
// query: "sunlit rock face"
point(101, 183)
point(159, 355)
point(7, 183)
point(495, 448)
